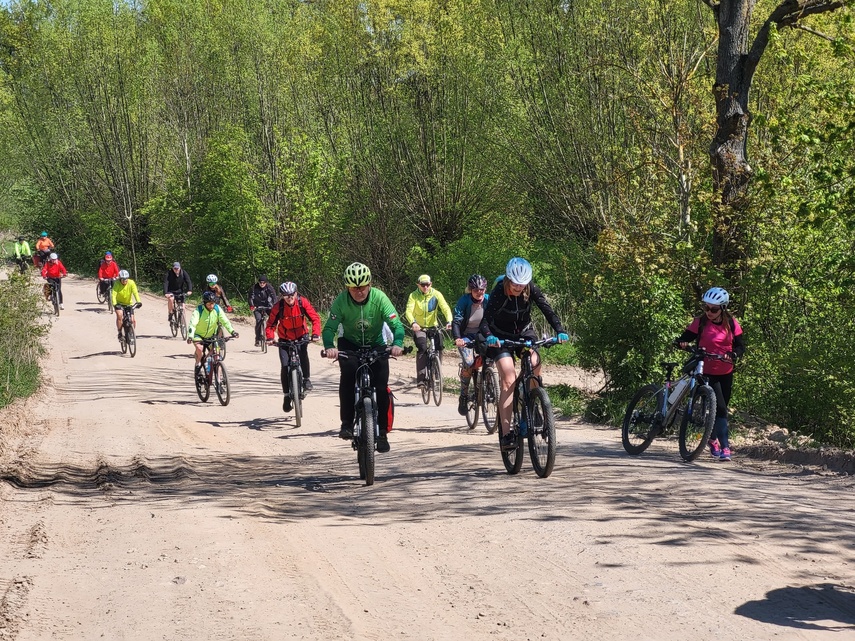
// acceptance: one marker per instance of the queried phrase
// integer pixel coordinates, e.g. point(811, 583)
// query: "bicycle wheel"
point(697, 423)
point(367, 440)
point(436, 379)
point(541, 432)
point(263, 346)
point(472, 399)
point(203, 388)
point(123, 343)
point(131, 340)
point(182, 323)
point(296, 387)
point(54, 297)
point(490, 399)
point(110, 307)
point(513, 459)
point(173, 323)
point(99, 293)
point(428, 385)
point(221, 383)
point(221, 344)
point(642, 419)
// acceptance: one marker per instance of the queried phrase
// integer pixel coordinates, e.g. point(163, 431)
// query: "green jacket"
point(422, 308)
point(22, 249)
point(362, 324)
point(204, 323)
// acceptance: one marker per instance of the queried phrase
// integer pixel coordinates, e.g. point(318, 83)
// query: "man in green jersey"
point(360, 311)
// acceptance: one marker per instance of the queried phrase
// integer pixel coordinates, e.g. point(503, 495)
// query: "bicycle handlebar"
point(134, 306)
point(545, 342)
point(285, 342)
point(368, 354)
point(700, 351)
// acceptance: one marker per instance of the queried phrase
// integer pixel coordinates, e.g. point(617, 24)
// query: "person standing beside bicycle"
point(288, 318)
point(108, 270)
point(205, 320)
point(508, 317)
point(53, 271)
point(218, 291)
point(262, 297)
point(176, 283)
point(717, 332)
point(361, 311)
point(468, 313)
point(124, 292)
point(22, 253)
point(423, 307)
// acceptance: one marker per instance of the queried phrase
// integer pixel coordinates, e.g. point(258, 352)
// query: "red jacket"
point(53, 269)
point(108, 269)
point(291, 319)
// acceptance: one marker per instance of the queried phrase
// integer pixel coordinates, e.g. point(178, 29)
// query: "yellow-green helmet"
point(357, 275)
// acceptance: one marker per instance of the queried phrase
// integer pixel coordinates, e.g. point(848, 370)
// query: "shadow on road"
point(825, 606)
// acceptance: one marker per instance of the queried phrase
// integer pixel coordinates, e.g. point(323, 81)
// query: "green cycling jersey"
point(362, 324)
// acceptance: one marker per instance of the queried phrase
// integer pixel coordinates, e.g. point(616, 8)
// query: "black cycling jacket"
point(180, 282)
point(510, 316)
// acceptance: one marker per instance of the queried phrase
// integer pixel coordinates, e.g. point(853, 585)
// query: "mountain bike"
point(655, 409)
point(178, 322)
point(213, 371)
point(22, 264)
point(365, 426)
point(483, 393)
point(265, 312)
point(128, 340)
point(53, 294)
point(532, 415)
point(295, 375)
point(102, 292)
point(433, 382)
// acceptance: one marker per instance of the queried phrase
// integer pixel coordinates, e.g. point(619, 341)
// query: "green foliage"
point(20, 338)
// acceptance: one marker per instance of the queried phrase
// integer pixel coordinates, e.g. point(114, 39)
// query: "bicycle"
point(178, 322)
point(365, 426)
point(102, 292)
point(532, 415)
point(655, 408)
point(213, 372)
point(53, 294)
point(295, 375)
point(483, 393)
point(433, 382)
point(265, 312)
point(128, 340)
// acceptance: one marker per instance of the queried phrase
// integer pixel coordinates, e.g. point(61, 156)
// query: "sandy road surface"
point(130, 510)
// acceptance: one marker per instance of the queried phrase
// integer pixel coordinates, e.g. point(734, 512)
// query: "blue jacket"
point(462, 312)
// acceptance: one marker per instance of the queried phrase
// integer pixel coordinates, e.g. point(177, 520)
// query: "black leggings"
point(284, 360)
point(722, 384)
point(380, 379)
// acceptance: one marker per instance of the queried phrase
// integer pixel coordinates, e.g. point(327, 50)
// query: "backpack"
point(201, 308)
point(299, 302)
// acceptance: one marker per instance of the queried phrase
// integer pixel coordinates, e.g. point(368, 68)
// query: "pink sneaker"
point(715, 450)
point(725, 454)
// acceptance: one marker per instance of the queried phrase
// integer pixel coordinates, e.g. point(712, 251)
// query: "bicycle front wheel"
point(123, 343)
point(55, 300)
point(173, 323)
point(99, 292)
point(427, 385)
point(131, 340)
point(182, 323)
point(541, 432)
point(490, 399)
point(697, 422)
point(367, 440)
point(472, 401)
point(221, 384)
point(513, 459)
point(436, 379)
point(263, 345)
point(642, 419)
point(296, 398)
point(203, 387)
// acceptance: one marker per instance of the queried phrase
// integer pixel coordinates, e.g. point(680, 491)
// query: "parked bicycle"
point(178, 322)
point(265, 313)
point(365, 425)
point(483, 393)
point(128, 341)
point(532, 417)
point(295, 375)
point(433, 382)
point(102, 292)
point(656, 408)
point(213, 371)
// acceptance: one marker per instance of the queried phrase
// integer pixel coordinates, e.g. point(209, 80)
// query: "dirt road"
point(130, 510)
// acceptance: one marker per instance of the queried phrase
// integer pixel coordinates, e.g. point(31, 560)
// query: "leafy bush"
point(20, 338)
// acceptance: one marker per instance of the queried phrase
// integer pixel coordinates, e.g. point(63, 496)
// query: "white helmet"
point(518, 271)
point(53, 256)
point(716, 296)
point(212, 279)
point(124, 274)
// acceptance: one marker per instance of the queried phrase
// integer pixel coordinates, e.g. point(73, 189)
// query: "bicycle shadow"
point(258, 424)
point(824, 606)
point(99, 310)
point(85, 356)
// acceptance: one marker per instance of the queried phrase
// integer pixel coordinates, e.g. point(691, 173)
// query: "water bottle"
point(207, 365)
point(677, 390)
point(523, 427)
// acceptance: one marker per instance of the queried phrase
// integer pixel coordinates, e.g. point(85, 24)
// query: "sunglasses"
point(424, 284)
point(712, 308)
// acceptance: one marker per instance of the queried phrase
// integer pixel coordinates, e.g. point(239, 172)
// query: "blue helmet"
point(518, 271)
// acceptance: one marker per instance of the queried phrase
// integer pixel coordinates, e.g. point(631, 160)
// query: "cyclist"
point(261, 296)
point(218, 291)
point(467, 320)
point(717, 332)
point(423, 307)
point(204, 322)
point(53, 271)
point(22, 252)
point(108, 270)
point(361, 310)
point(508, 317)
point(289, 317)
point(176, 282)
point(44, 247)
point(124, 292)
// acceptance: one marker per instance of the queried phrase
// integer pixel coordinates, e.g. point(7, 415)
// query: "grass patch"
point(21, 336)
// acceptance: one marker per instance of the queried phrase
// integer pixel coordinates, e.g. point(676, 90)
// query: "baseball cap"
point(424, 279)
point(176, 265)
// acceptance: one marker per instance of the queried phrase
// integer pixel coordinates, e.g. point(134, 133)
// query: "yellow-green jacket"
point(203, 324)
point(423, 308)
point(125, 294)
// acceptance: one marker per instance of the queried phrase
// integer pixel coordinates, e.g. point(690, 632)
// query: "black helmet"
point(20, 238)
point(477, 281)
point(262, 278)
point(209, 297)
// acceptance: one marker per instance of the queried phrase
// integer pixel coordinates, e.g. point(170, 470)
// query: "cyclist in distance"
point(108, 269)
point(262, 294)
point(44, 247)
point(54, 271)
point(468, 313)
point(218, 291)
point(508, 317)
point(361, 310)
point(423, 307)
point(176, 281)
point(124, 292)
point(717, 332)
point(288, 318)
point(22, 252)
point(204, 322)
